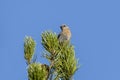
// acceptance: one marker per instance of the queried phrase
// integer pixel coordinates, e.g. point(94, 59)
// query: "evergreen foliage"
point(61, 56)
point(37, 71)
point(29, 48)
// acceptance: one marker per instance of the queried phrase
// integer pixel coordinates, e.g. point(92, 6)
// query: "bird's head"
point(63, 27)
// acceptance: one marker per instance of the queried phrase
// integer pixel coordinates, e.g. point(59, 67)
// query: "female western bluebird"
point(65, 33)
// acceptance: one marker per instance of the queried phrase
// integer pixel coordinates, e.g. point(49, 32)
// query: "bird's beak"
point(61, 27)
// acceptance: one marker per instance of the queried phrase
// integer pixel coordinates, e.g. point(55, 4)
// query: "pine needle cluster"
point(63, 63)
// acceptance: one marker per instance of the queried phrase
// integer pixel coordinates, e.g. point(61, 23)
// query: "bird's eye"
point(64, 25)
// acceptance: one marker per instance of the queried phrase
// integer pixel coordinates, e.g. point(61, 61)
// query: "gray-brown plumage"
point(65, 33)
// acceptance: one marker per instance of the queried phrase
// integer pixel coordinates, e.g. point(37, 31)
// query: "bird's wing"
point(62, 37)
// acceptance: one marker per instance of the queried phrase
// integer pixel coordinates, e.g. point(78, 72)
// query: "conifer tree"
point(61, 56)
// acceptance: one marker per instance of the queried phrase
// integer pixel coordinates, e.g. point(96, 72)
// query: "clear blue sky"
point(95, 26)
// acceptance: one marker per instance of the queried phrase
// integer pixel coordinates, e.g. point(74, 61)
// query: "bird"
point(65, 34)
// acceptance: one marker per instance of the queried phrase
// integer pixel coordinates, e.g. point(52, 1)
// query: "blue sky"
point(95, 27)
